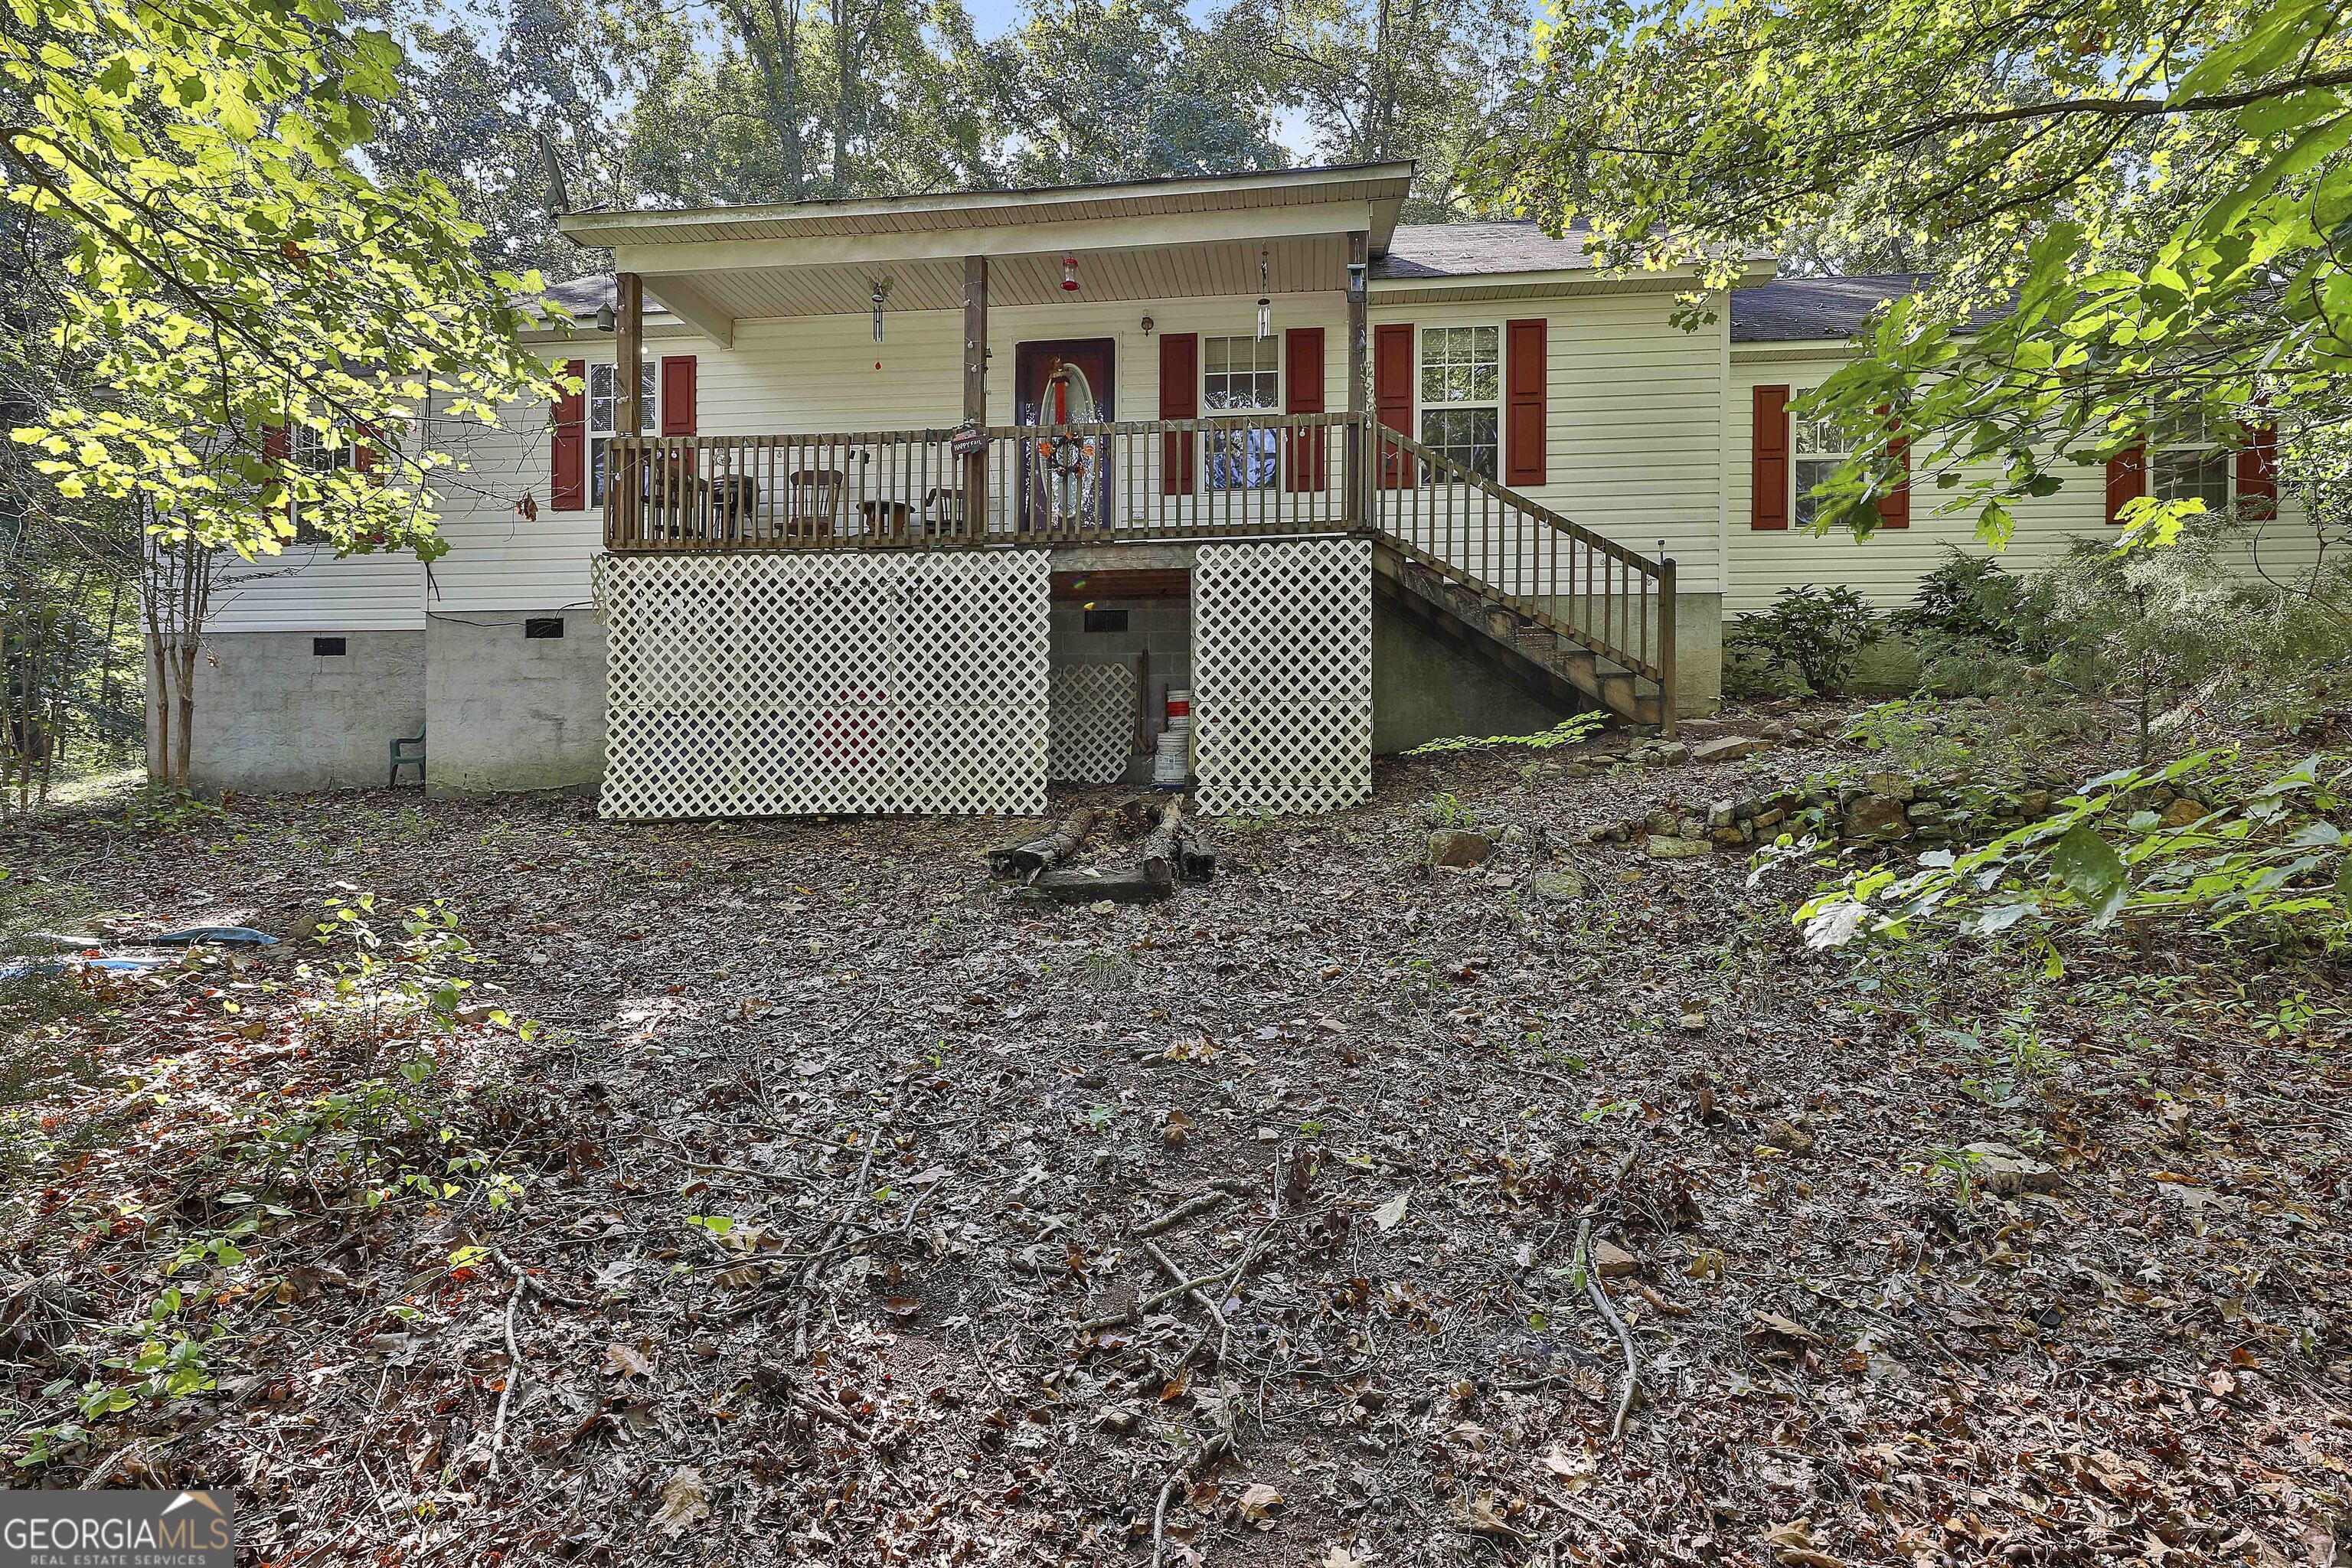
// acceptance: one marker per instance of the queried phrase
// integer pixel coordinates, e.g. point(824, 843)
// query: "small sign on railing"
point(967, 439)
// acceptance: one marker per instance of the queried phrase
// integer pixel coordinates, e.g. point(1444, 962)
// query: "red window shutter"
point(276, 441)
point(1392, 394)
point(1894, 507)
point(1180, 398)
point(367, 451)
point(677, 395)
point(2126, 480)
point(567, 442)
point(2258, 472)
point(1768, 501)
point(1526, 372)
point(1303, 464)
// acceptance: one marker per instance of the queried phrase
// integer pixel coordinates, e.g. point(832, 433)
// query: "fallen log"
point(1163, 851)
point(1030, 858)
point(1089, 887)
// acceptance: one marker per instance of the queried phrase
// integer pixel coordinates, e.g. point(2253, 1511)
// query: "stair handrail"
point(1659, 571)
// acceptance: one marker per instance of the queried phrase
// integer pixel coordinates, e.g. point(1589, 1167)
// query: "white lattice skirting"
point(767, 685)
point(1092, 731)
point(1282, 676)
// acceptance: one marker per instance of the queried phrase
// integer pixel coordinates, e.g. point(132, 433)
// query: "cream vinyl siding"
point(1885, 568)
point(807, 376)
point(1633, 406)
point(305, 588)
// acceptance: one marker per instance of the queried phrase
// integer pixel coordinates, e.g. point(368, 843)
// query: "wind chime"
point(1265, 302)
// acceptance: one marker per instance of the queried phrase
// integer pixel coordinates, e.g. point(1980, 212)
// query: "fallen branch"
point(514, 1375)
point(1200, 1204)
point(1211, 1449)
point(1609, 1310)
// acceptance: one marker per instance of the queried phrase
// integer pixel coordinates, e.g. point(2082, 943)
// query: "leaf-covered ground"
point(838, 1186)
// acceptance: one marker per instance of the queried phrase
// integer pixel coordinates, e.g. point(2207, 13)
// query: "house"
point(917, 503)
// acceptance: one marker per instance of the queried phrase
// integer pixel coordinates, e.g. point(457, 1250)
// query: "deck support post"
point(975, 390)
point(628, 379)
point(1354, 465)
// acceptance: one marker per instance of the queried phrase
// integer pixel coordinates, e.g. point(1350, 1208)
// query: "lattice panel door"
point(763, 685)
point(1282, 676)
point(1092, 731)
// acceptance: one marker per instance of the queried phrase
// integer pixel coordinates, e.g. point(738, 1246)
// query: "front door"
point(1065, 482)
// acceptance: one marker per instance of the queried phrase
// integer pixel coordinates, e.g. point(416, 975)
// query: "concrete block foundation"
point(279, 710)
point(510, 712)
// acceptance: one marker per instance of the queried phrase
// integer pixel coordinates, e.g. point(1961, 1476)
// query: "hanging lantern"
point(1265, 305)
point(1069, 275)
point(881, 292)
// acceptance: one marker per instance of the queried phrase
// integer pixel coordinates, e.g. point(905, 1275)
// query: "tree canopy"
point(247, 319)
point(2133, 211)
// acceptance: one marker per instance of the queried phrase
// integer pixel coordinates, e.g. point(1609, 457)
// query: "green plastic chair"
point(415, 760)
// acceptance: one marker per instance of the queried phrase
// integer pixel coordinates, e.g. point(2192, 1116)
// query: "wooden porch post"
point(1353, 463)
point(975, 390)
point(625, 497)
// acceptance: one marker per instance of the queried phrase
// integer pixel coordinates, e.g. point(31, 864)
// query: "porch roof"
point(1379, 188)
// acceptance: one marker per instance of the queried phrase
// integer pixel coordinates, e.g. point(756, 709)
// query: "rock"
point(1874, 816)
point(1556, 887)
point(1894, 786)
point(1614, 1262)
point(1790, 1136)
point(1691, 828)
point(1666, 846)
point(2184, 812)
point(1729, 835)
point(2036, 803)
point(1616, 832)
point(1924, 814)
point(1512, 837)
point(1727, 749)
point(1772, 818)
point(1719, 814)
point(1773, 730)
point(1672, 753)
point(1117, 1421)
point(1693, 1022)
point(1659, 822)
point(1458, 847)
point(2006, 1170)
point(1574, 771)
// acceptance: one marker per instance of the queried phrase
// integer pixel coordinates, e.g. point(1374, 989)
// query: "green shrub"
point(1814, 634)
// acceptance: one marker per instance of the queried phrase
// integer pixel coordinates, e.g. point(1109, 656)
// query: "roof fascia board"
point(1025, 239)
point(609, 229)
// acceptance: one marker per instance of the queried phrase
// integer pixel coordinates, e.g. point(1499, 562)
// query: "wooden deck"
point(1187, 480)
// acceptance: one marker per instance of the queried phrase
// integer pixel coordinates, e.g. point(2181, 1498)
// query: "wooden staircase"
point(1574, 616)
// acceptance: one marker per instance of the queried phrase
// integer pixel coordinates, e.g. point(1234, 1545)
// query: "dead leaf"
point(1339, 1556)
point(684, 1500)
point(1478, 1514)
point(1574, 1470)
point(1792, 1546)
point(1392, 1213)
point(1787, 1328)
point(626, 1362)
point(1257, 1504)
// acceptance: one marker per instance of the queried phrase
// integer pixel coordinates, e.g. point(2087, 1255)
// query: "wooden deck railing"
point(1237, 477)
point(1145, 479)
point(1616, 602)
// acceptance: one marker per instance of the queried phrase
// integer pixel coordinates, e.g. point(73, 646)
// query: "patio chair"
point(401, 760)
point(812, 501)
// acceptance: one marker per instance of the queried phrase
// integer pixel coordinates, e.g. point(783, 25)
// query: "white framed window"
point(603, 385)
point(1241, 374)
point(1462, 395)
point(1816, 448)
point(2189, 461)
point(309, 448)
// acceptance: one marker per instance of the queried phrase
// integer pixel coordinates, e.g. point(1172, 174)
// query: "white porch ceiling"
point(1294, 266)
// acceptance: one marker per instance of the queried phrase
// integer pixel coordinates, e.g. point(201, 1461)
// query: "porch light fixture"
point(1148, 325)
point(603, 317)
point(1069, 275)
point(1265, 305)
point(1356, 275)
point(881, 292)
